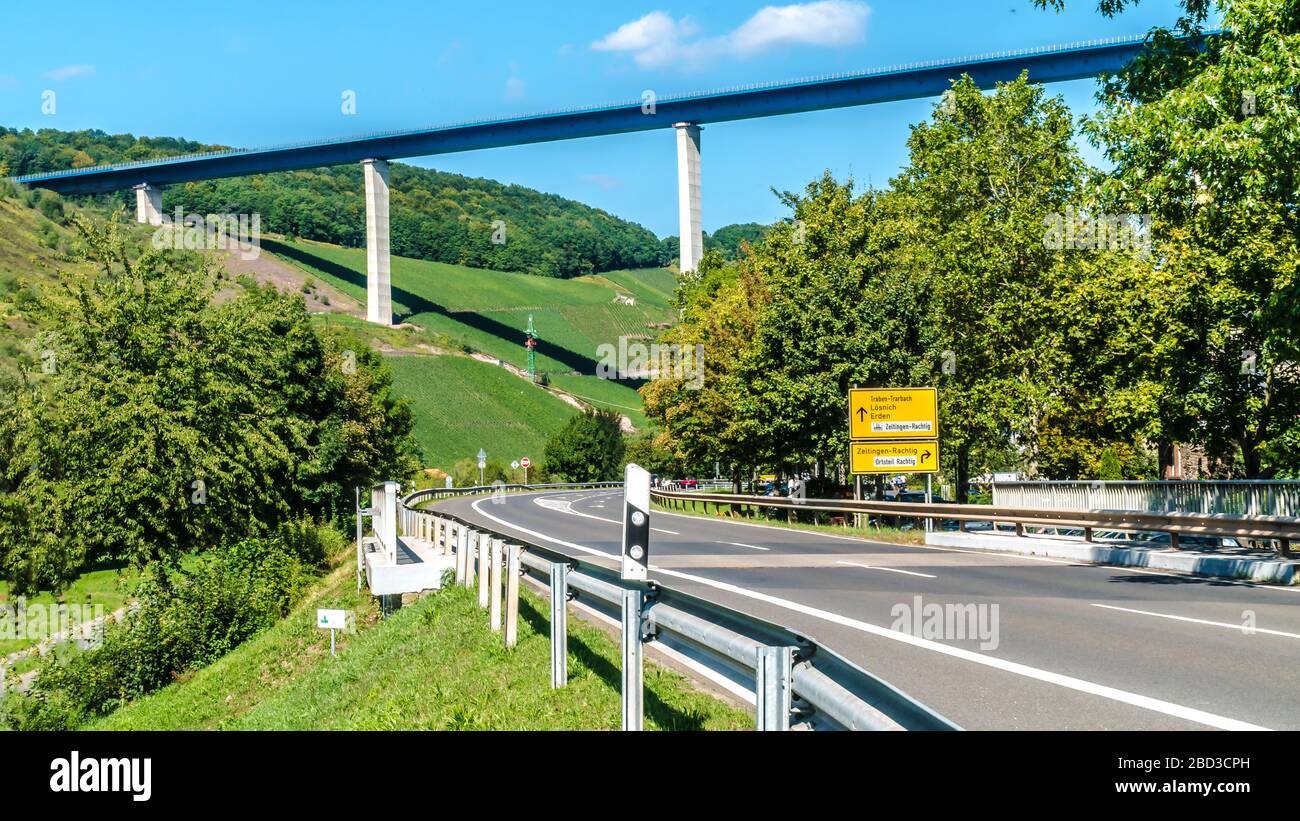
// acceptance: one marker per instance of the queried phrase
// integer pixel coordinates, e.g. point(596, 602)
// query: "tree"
point(1205, 142)
point(652, 450)
point(161, 423)
point(985, 175)
point(705, 420)
point(589, 448)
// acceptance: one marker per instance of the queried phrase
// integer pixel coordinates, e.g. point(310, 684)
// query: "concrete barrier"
point(1261, 570)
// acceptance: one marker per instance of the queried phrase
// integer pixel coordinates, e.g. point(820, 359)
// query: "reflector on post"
point(636, 522)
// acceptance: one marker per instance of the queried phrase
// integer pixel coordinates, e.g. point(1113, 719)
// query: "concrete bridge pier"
point(148, 204)
point(691, 230)
point(379, 287)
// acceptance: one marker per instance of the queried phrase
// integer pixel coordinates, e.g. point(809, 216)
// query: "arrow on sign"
point(925, 457)
point(862, 414)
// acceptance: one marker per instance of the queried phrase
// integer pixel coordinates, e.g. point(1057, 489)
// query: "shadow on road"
point(1162, 579)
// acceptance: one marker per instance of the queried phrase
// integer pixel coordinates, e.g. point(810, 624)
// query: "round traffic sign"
point(526, 462)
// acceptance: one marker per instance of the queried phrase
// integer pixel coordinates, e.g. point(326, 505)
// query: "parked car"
point(909, 522)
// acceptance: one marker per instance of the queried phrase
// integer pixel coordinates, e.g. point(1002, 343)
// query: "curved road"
point(1075, 646)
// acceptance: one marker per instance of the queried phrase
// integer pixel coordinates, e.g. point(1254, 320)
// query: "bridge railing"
point(796, 680)
point(1281, 529)
point(1112, 43)
point(1241, 498)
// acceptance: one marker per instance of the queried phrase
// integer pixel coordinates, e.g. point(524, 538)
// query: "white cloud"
point(70, 72)
point(657, 40)
point(653, 40)
point(515, 88)
point(825, 23)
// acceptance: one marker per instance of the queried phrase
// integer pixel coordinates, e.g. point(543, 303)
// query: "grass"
point(604, 393)
point(106, 587)
point(462, 404)
point(432, 665)
point(488, 310)
point(893, 535)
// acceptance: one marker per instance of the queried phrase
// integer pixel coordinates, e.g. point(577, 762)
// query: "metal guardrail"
point(796, 680)
point(1281, 529)
point(1241, 498)
point(437, 492)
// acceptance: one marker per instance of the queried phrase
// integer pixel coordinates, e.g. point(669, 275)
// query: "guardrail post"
point(1087, 534)
point(772, 688)
point(448, 527)
point(1284, 547)
point(471, 540)
point(462, 547)
point(482, 579)
point(559, 624)
point(632, 681)
point(360, 557)
point(512, 595)
point(1173, 540)
point(494, 585)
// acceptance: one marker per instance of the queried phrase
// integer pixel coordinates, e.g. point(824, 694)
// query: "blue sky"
point(255, 73)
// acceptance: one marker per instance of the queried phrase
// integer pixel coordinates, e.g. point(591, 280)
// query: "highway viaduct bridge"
point(684, 113)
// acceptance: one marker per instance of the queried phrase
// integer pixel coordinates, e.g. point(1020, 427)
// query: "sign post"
point(527, 463)
point(894, 430)
point(636, 523)
point(894, 457)
point(929, 499)
point(893, 413)
point(482, 463)
point(636, 565)
point(333, 620)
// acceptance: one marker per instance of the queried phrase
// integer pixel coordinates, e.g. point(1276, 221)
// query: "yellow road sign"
point(893, 413)
point(894, 457)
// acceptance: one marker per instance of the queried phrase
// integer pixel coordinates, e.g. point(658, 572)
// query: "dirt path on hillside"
point(268, 268)
point(624, 422)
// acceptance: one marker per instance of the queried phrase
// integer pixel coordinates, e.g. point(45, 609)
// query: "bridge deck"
point(417, 567)
point(1044, 65)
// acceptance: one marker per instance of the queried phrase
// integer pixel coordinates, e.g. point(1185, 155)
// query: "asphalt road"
point(1068, 646)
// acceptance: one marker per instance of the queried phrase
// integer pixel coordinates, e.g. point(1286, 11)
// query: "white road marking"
point(1070, 682)
point(889, 569)
point(742, 544)
point(996, 555)
point(1229, 625)
point(566, 506)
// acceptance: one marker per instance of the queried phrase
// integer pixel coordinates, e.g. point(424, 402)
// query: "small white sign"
point(331, 619)
point(514, 465)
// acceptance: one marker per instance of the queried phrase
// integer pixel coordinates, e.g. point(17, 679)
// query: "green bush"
point(589, 448)
point(309, 542)
point(182, 620)
point(52, 208)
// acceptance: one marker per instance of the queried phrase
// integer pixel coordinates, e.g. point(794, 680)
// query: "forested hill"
point(435, 215)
